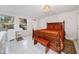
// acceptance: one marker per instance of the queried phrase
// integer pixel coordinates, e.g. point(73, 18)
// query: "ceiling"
point(34, 10)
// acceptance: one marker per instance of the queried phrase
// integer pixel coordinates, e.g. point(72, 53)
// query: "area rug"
point(69, 47)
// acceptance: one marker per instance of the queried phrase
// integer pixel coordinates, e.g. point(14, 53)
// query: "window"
point(6, 22)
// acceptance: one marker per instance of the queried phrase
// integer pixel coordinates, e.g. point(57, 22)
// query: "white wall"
point(70, 22)
point(78, 24)
point(31, 24)
point(69, 17)
point(16, 15)
point(16, 21)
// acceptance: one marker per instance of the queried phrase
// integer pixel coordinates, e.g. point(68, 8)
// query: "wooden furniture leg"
point(46, 50)
point(59, 52)
point(35, 42)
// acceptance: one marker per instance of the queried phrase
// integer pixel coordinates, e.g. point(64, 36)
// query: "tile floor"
point(26, 46)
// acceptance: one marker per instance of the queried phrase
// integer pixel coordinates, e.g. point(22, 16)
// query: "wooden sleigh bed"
point(52, 37)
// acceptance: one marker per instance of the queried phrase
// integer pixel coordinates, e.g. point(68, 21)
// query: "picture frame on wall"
point(6, 22)
point(23, 23)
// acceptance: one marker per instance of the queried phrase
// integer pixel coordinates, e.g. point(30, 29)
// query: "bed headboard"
point(56, 25)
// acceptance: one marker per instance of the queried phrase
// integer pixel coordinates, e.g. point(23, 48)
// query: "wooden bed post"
point(35, 42)
point(64, 28)
point(63, 38)
point(46, 50)
point(32, 33)
point(64, 24)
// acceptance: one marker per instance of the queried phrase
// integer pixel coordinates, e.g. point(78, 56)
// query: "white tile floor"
point(26, 46)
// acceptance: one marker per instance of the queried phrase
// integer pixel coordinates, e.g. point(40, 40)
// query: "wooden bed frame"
point(52, 37)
